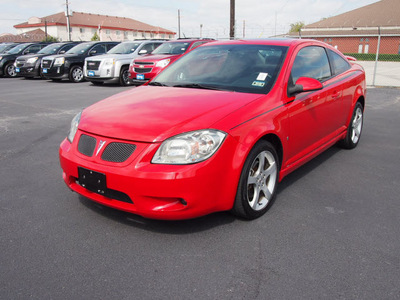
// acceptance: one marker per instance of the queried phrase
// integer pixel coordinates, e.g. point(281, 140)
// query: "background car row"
point(98, 62)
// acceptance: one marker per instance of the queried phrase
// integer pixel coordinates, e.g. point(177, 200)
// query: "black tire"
point(76, 74)
point(255, 196)
point(9, 70)
point(124, 76)
point(354, 129)
point(97, 82)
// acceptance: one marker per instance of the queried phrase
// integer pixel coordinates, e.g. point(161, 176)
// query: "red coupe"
point(217, 130)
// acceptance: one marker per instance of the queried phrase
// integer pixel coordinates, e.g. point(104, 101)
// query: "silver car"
point(114, 66)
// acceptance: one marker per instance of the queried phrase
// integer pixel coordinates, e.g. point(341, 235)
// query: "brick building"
point(85, 25)
point(359, 30)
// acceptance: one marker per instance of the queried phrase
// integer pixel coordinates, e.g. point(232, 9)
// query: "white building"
point(84, 26)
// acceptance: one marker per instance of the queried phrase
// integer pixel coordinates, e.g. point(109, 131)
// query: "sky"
point(210, 18)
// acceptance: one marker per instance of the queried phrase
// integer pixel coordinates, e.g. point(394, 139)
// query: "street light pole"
point(232, 21)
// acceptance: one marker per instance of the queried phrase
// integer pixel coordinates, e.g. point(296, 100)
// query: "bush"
point(372, 56)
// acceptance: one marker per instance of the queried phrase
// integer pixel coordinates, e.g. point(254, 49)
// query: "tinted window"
point(340, 65)
point(110, 46)
point(50, 49)
point(240, 68)
point(33, 49)
point(197, 44)
point(311, 62)
point(17, 49)
point(80, 49)
point(67, 47)
point(100, 49)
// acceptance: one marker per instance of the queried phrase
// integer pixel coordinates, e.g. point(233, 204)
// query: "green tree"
point(50, 38)
point(296, 27)
point(95, 37)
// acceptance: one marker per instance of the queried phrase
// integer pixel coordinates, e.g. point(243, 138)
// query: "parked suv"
point(7, 67)
point(114, 66)
point(70, 64)
point(29, 65)
point(144, 68)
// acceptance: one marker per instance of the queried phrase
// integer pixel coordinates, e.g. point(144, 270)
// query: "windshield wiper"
point(197, 86)
point(156, 83)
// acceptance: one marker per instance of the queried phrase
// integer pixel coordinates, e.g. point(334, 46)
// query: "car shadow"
point(160, 226)
point(202, 223)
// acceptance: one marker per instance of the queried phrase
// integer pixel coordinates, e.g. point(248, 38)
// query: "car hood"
point(153, 114)
point(115, 56)
point(157, 57)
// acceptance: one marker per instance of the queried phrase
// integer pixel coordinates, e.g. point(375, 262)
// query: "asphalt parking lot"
point(333, 232)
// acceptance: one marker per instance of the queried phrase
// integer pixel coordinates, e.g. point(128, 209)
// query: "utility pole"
point(179, 23)
point(232, 21)
point(68, 24)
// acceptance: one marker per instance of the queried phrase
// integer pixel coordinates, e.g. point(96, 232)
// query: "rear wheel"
point(355, 128)
point(76, 74)
point(258, 182)
point(124, 76)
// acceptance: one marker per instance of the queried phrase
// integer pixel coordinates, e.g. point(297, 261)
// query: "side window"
point(100, 49)
point(110, 46)
point(197, 44)
point(340, 65)
point(32, 49)
point(311, 62)
point(148, 47)
point(67, 47)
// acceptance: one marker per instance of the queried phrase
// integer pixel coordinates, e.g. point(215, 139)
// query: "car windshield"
point(124, 48)
point(4, 47)
point(231, 67)
point(79, 49)
point(172, 48)
point(50, 49)
point(17, 49)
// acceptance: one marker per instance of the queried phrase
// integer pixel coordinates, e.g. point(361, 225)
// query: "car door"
point(313, 116)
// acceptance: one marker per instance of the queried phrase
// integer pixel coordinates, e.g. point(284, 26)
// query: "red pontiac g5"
point(217, 130)
point(145, 68)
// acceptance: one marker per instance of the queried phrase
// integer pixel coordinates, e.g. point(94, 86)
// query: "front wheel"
point(258, 182)
point(355, 128)
point(124, 76)
point(76, 74)
point(9, 70)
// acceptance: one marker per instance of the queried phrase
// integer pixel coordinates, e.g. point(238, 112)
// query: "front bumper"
point(30, 71)
point(58, 72)
point(153, 190)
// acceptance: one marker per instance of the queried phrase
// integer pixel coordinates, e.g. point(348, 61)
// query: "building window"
point(151, 35)
point(82, 30)
point(135, 33)
point(360, 48)
point(143, 34)
point(117, 32)
point(107, 31)
point(126, 34)
point(94, 31)
point(163, 37)
point(361, 40)
point(366, 49)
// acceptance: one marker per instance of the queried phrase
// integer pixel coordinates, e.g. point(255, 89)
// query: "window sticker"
point(258, 83)
point(262, 76)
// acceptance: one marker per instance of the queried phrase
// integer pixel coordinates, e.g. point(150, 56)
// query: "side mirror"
point(62, 52)
point(92, 52)
point(305, 84)
point(143, 51)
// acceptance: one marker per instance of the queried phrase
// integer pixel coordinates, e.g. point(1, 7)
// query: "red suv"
point(144, 68)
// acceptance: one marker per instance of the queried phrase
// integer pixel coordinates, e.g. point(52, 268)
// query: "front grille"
point(92, 65)
point(46, 63)
point(143, 70)
point(86, 145)
point(145, 63)
point(117, 152)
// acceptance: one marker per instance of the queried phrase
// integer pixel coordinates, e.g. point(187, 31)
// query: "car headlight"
point(189, 148)
point(109, 62)
point(32, 60)
point(74, 127)
point(59, 61)
point(163, 63)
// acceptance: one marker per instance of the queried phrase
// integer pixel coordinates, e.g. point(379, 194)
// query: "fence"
point(376, 49)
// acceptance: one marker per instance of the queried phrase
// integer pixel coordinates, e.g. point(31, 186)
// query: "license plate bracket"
point(140, 76)
point(93, 181)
